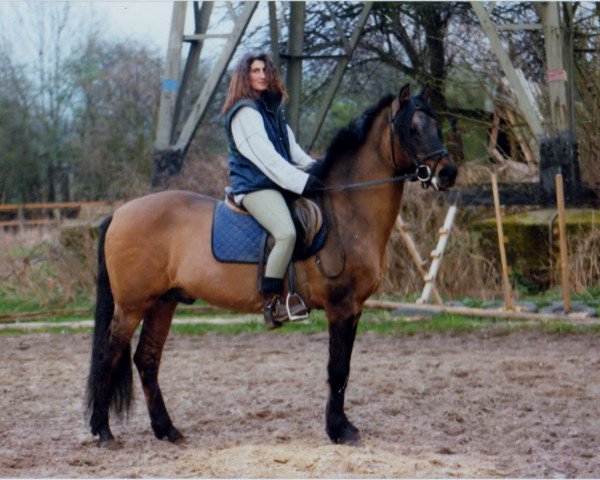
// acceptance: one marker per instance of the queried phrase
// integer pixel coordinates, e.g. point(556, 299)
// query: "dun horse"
point(155, 251)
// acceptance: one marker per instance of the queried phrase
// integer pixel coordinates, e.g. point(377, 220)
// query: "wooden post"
point(508, 303)
point(437, 255)
point(562, 232)
point(414, 253)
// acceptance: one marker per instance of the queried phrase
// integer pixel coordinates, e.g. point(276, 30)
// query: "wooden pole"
point(414, 253)
point(562, 232)
point(436, 255)
point(466, 311)
point(508, 303)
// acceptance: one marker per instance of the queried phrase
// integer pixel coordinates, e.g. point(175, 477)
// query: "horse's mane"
point(348, 139)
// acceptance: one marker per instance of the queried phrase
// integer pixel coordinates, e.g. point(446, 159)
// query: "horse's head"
point(419, 132)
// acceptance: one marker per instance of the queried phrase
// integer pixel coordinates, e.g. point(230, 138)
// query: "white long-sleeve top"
point(252, 141)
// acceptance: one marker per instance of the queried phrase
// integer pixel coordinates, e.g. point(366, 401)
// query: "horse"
point(155, 251)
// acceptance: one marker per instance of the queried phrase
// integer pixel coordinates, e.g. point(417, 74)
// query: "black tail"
point(115, 388)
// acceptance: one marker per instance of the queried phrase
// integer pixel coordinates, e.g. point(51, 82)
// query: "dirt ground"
point(252, 405)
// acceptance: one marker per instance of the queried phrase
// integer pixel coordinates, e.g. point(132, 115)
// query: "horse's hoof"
point(175, 436)
point(346, 434)
point(109, 444)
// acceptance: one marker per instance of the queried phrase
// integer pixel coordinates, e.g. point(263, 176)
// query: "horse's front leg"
point(342, 331)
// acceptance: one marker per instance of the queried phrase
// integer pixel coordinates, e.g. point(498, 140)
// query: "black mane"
point(350, 138)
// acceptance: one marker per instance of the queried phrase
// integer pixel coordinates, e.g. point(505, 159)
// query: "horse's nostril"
point(448, 174)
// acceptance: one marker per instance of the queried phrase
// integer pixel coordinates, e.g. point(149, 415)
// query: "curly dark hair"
point(239, 85)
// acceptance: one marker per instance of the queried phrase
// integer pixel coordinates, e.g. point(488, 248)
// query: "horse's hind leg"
point(110, 381)
point(342, 332)
point(155, 329)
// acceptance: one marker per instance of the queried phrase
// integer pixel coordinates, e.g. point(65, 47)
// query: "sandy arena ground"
point(442, 405)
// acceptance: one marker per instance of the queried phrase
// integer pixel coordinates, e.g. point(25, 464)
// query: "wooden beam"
point(436, 255)
point(466, 311)
point(415, 255)
point(562, 233)
point(508, 303)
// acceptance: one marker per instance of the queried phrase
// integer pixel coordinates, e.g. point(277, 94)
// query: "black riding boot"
point(275, 309)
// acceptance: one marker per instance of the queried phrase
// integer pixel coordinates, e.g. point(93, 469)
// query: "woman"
point(264, 161)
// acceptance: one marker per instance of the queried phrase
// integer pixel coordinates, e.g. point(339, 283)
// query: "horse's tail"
point(104, 383)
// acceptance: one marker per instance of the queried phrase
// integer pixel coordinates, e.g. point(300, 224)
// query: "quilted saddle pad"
point(236, 238)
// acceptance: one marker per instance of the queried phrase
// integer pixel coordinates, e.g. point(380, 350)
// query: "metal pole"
point(294, 68)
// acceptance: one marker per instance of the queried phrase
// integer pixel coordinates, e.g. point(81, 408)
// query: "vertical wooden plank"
point(562, 232)
point(508, 303)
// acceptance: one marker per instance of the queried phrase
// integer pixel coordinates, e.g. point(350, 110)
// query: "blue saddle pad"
point(236, 238)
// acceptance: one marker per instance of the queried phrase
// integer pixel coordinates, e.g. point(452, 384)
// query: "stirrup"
point(300, 306)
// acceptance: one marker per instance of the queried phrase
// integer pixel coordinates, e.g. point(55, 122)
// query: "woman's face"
point(258, 76)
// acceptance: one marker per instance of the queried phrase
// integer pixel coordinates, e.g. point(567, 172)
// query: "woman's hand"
point(312, 185)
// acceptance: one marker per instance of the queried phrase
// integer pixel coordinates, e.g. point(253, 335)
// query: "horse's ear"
point(402, 98)
point(425, 92)
point(404, 95)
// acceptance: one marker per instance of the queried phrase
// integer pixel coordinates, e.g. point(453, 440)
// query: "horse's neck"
point(372, 210)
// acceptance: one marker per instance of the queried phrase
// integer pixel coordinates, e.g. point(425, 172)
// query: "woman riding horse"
point(155, 251)
point(264, 159)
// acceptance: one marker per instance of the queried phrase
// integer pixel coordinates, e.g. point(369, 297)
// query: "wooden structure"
point(19, 216)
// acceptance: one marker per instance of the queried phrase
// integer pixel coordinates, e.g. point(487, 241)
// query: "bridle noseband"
point(423, 172)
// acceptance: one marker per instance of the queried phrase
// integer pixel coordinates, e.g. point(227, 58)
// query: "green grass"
point(378, 321)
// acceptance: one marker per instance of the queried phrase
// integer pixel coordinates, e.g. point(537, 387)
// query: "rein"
point(372, 183)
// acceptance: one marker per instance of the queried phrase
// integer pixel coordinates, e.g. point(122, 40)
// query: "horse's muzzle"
point(445, 175)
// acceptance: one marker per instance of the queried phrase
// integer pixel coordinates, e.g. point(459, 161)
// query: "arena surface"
point(473, 405)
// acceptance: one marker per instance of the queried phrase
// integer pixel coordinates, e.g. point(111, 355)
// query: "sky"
point(142, 20)
point(148, 21)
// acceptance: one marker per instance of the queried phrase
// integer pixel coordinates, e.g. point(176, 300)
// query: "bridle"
point(423, 172)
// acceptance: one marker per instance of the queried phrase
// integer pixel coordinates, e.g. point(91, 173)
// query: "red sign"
point(558, 75)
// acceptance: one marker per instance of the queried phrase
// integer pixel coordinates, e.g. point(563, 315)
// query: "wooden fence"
point(19, 216)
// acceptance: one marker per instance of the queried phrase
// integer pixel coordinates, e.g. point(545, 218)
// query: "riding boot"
point(275, 309)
